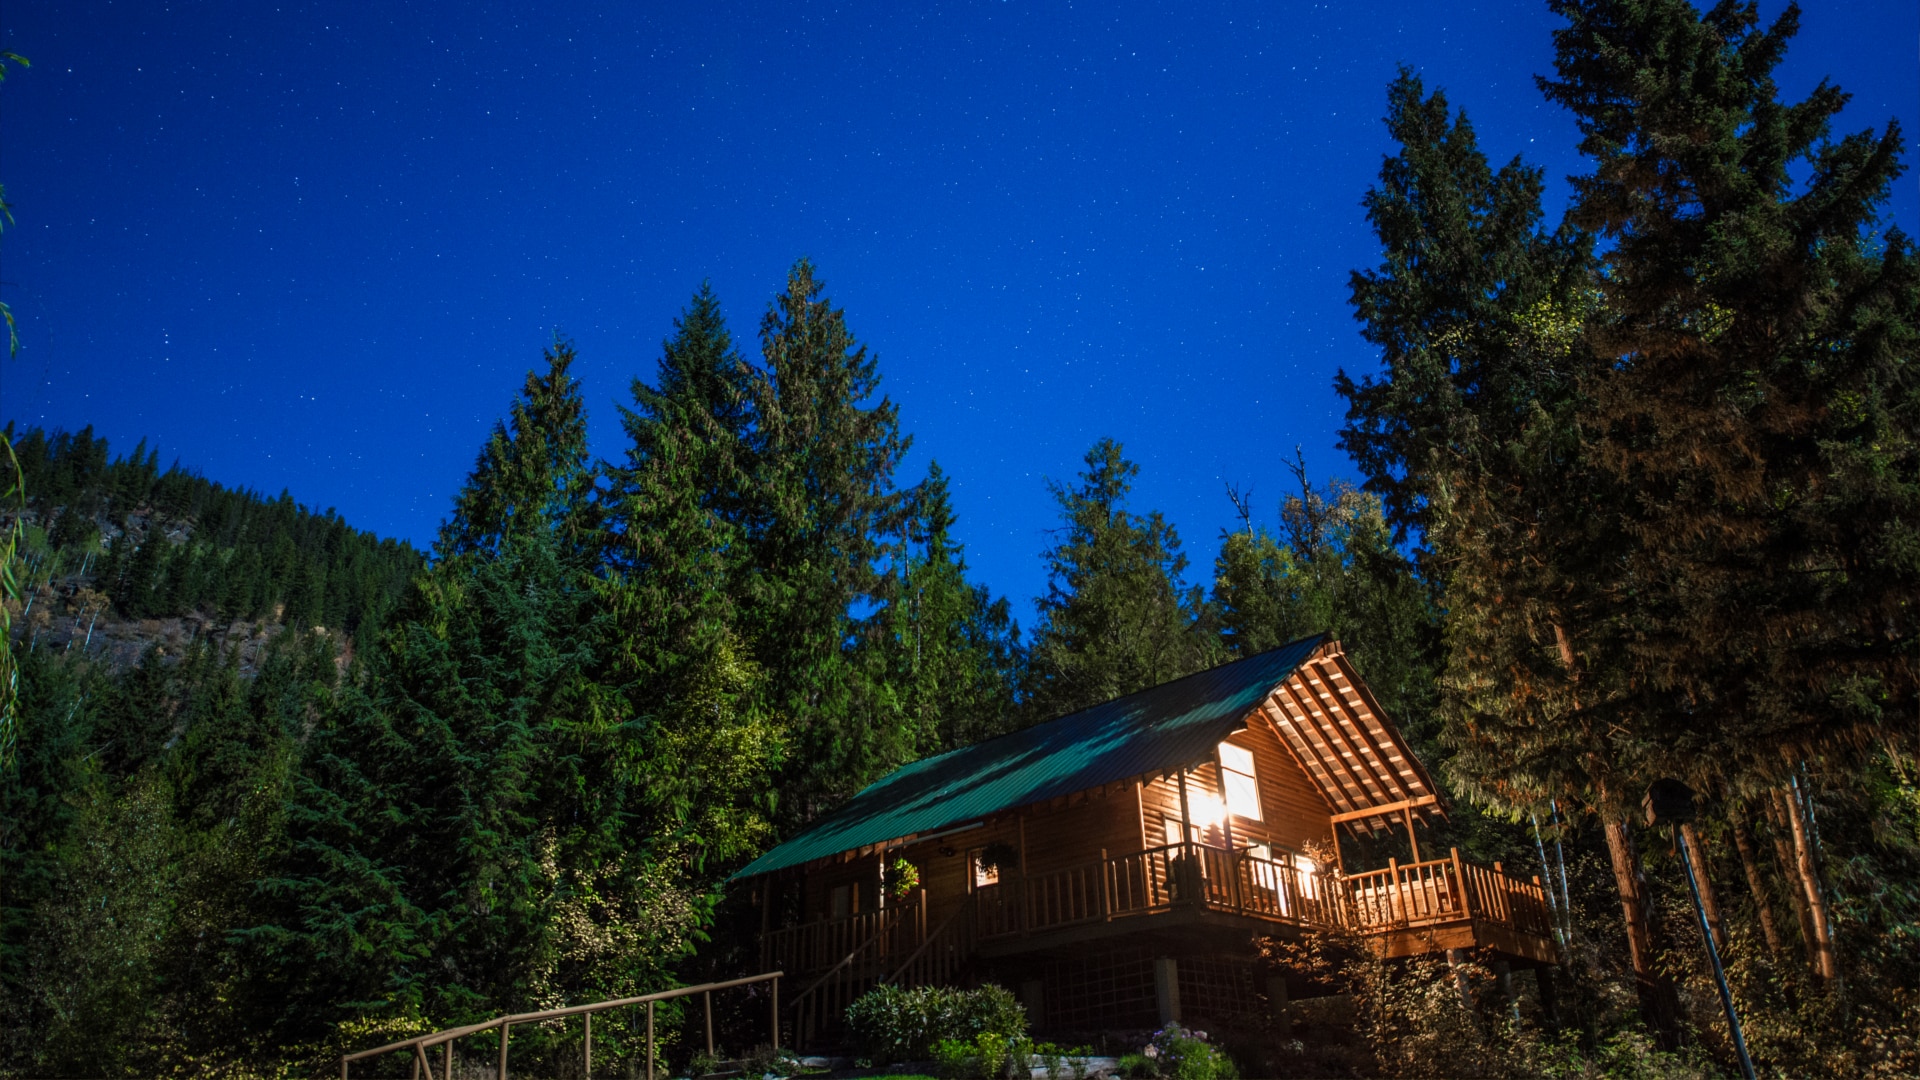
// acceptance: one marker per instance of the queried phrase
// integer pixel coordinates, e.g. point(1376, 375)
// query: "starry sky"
point(317, 247)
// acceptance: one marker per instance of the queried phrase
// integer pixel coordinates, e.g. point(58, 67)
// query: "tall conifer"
point(823, 511)
point(1118, 615)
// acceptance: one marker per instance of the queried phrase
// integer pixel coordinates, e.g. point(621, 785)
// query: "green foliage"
point(892, 1024)
point(1118, 616)
point(1334, 569)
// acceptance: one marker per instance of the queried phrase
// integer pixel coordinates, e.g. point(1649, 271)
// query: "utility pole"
point(1670, 802)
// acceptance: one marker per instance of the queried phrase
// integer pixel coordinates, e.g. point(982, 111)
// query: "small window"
point(840, 902)
point(1261, 851)
point(1172, 830)
point(984, 872)
point(1238, 785)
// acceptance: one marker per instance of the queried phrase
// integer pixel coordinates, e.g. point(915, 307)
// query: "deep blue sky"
point(317, 246)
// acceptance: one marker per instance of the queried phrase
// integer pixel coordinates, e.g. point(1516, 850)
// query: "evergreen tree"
point(1118, 616)
point(822, 513)
point(533, 475)
point(1472, 438)
point(944, 654)
point(1761, 404)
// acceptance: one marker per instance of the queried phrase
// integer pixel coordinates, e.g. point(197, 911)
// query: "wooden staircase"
point(894, 948)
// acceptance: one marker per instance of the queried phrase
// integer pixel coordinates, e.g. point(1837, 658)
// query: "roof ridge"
point(1176, 680)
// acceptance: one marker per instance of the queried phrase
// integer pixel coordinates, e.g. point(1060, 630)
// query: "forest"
point(1638, 498)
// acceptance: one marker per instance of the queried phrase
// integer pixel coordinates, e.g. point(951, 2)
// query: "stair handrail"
point(964, 910)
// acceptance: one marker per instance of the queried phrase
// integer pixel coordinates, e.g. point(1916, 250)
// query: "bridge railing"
point(420, 1044)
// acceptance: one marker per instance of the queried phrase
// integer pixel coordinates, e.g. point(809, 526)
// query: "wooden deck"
point(1404, 910)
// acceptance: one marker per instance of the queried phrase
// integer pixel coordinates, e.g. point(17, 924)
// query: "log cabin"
point(1116, 865)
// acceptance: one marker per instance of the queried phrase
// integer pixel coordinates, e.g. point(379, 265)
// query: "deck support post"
point(1033, 996)
point(1457, 960)
point(1549, 1002)
point(649, 1040)
point(1503, 978)
point(503, 1051)
point(446, 1068)
point(1166, 988)
point(1277, 996)
point(1413, 841)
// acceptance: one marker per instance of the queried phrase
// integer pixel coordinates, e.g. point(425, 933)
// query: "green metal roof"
point(1168, 726)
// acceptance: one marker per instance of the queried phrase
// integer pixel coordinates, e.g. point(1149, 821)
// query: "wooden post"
point(343, 1067)
point(586, 1050)
point(1140, 810)
point(1396, 904)
point(1186, 818)
point(503, 1057)
point(706, 1000)
point(503, 1050)
point(1459, 889)
point(776, 1012)
point(1413, 841)
point(1021, 895)
point(446, 1064)
point(1106, 901)
point(420, 1062)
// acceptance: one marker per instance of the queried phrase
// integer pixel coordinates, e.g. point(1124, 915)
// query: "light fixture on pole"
point(1670, 802)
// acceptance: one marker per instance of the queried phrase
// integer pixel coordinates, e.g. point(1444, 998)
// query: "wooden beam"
point(1388, 808)
point(1392, 780)
point(1265, 711)
point(1310, 729)
point(1327, 696)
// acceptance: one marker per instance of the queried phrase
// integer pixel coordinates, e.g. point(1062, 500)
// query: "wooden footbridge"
point(418, 1046)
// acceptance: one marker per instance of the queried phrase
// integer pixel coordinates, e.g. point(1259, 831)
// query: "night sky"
point(317, 247)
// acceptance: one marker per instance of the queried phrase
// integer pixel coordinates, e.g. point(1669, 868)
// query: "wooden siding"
point(1293, 813)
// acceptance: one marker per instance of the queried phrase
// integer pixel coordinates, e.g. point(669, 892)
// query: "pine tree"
point(534, 473)
point(1117, 616)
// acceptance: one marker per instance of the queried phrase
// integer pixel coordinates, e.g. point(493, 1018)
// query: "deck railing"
point(1243, 883)
point(815, 945)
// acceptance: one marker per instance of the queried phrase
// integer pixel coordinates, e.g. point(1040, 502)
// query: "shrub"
point(890, 1024)
point(1177, 1053)
point(991, 1056)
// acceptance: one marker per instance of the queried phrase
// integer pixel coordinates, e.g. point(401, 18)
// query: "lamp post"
point(1670, 802)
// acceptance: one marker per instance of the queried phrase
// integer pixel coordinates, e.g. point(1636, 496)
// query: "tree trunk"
point(1743, 841)
point(1789, 869)
point(1709, 901)
point(1825, 962)
point(1658, 1002)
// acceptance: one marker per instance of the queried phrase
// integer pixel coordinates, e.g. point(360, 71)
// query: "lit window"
point(1171, 830)
point(1242, 791)
point(985, 872)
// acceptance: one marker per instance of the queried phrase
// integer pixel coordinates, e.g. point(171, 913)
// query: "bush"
point(991, 1056)
point(890, 1024)
point(1175, 1053)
